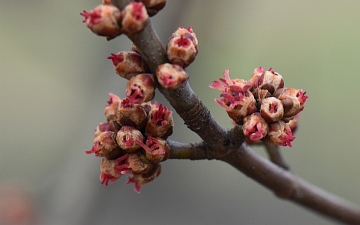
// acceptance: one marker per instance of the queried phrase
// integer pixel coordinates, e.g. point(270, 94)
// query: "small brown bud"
point(292, 99)
point(182, 47)
point(110, 110)
point(160, 123)
point(280, 134)
point(139, 163)
point(171, 76)
point(103, 20)
point(266, 79)
point(140, 179)
point(140, 88)
point(153, 6)
point(271, 109)
point(128, 114)
point(156, 149)
point(102, 127)
point(134, 18)
point(128, 64)
point(107, 171)
point(126, 138)
point(105, 146)
point(255, 127)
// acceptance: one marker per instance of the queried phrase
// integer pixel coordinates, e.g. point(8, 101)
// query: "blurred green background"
point(55, 81)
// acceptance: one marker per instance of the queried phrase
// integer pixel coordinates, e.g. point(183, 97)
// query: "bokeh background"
point(55, 81)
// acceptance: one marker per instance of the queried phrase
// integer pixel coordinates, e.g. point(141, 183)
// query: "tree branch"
point(218, 143)
point(275, 155)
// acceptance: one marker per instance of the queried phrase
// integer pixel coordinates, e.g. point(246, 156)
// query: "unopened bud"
point(128, 64)
point(103, 20)
point(153, 6)
point(134, 18)
point(140, 88)
point(171, 76)
point(105, 146)
point(182, 47)
point(266, 79)
point(140, 179)
point(126, 138)
point(139, 163)
point(271, 109)
point(128, 114)
point(292, 99)
point(110, 111)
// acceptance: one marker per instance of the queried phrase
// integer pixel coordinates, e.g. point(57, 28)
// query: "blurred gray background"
point(55, 81)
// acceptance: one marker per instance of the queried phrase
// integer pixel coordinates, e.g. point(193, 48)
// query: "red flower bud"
point(236, 99)
point(140, 179)
point(292, 99)
point(134, 18)
point(268, 80)
point(271, 109)
point(140, 88)
point(103, 21)
point(255, 127)
point(171, 76)
point(126, 138)
point(153, 6)
point(182, 47)
point(156, 149)
point(105, 146)
point(128, 64)
point(160, 123)
point(280, 134)
point(107, 171)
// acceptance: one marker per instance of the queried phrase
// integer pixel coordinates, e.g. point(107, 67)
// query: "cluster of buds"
point(109, 21)
point(181, 50)
point(132, 140)
point(266, 109)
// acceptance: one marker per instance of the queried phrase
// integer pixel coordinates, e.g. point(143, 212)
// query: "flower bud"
point(280, 134)
point(293, 123)
point(128, 114)
point(268, 80)
point(139, 163)
point(140, 88)
point(271, 109)
point(102, 127)
point(153, 6)
point(128, 64)
point(110, 111)
point(255, 127)
point(171, 76)
point(140, 179)
point(105, 146)
point(126, 138)
point(103, 21)
point(182, 47)
point(236, 99)
point(160, 123)
point(134, 18)
point(107, 171)
point(292, 99)
point(156, 149)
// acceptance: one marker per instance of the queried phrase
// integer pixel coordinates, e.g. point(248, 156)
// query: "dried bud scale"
point(156, 149)
point(292, 99)
point(153, 6)
point(280, 134)
point(138, 163)
point(134, 18)
point(171, 76)
point(140, 179)
point(110, 111)
point(103, 20)
point(105, 146)
point(129, 114)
